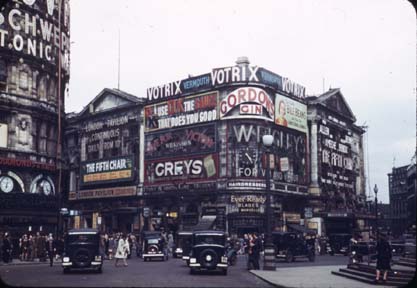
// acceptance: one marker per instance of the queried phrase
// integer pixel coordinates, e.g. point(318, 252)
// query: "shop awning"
point(206, 222)
point(302, 229)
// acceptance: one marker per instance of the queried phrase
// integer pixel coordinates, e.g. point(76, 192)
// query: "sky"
point(365, 48)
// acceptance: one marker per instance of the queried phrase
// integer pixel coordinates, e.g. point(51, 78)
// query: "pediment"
point(109, 99)
point(336, 102)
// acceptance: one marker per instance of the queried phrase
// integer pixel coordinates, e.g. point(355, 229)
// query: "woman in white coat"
point(122, 250)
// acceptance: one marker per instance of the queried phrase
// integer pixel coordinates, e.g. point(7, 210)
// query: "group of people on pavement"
point(253, 245)
point(30, 247)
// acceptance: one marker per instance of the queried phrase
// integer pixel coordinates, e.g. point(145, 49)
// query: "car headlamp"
point(353, 252)
point(193, 260)
point(65, 259)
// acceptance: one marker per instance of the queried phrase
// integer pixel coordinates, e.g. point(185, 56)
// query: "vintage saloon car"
point(208, 251)
point(291, 245)
point(183, 245)
point(153, 246)
point(338, 243)
point(82, 250)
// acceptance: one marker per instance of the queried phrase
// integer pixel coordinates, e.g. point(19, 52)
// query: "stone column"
point(314, 185)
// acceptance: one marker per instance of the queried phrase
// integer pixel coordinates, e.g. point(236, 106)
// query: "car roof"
point(185, 233)
point(83, 231)
point(209, 232)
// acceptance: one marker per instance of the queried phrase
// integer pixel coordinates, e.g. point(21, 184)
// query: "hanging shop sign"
point(288, 152)
point(107, 170)
point(195, 168)
point(250, 100)
point(290, 113)
point(181, 112)
point(105, 193)
point(185, 141)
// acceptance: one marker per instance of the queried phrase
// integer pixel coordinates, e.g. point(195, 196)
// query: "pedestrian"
point(106, 245)
point(7, 248)
point(122, 250)
point(111, 246)
point(257, 247)
point(251, 256)
point(51, 249)
point(42, 247)
point(383, 260)
point(170, 243)
point(31, 248)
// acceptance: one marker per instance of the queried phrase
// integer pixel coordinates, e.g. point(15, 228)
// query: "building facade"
point(104, 163)
point(34, 72)
point(337, 186)
point(401, 193)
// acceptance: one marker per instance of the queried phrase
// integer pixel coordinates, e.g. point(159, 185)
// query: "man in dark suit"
point(51, 249)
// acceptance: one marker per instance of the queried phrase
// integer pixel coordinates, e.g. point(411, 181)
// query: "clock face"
point(247, 157)
point(47, 189)
point(6, 184)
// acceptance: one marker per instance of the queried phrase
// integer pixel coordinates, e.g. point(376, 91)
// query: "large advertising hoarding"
point(244, 144)
point(336, 158)
point(107, 170)
point(198, 139)
point(290, 113)
point(185, 169)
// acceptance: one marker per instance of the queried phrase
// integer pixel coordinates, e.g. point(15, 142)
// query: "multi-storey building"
point(34, 72)
point(104, 163)
point(337, 186)
point(398, 193)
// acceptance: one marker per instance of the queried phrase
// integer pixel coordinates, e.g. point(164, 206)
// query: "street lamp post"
point(269, 251)
point(376, 212)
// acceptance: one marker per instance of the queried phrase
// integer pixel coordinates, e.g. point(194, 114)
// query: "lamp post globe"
point(269, 251)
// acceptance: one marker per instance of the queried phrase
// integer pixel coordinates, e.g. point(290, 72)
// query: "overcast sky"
point(366, 48)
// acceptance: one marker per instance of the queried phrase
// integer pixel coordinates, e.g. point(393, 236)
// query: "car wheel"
point(100, 269)
point(224, 272)
point(192, 271)
point(289, 257)
point(145, 259)
point(66, 270)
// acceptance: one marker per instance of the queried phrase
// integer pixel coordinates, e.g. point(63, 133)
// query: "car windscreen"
point(153, 241)
point(184, 240)
point(209, 239)
point(82, 238)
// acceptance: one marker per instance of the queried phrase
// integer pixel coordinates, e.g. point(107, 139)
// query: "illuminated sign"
point(27, 31)
point(247, 95)
point(27, 164)
point(181, 112)
point(185, 169)
point(184, 141)
point(107, 170)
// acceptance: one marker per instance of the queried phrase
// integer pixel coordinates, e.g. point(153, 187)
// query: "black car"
point(291, 245)
point(183, 245)
point(82, 250)
point(338, 243)
point(153, 246)
point(208, 251)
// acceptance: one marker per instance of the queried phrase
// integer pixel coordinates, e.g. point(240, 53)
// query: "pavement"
point(314, 276)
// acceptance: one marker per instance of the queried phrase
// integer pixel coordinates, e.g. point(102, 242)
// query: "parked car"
point(183, 245)
point(82, 250)
point(291, 245)
point(153, 246)
point(208, 251)
point(338, 243)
